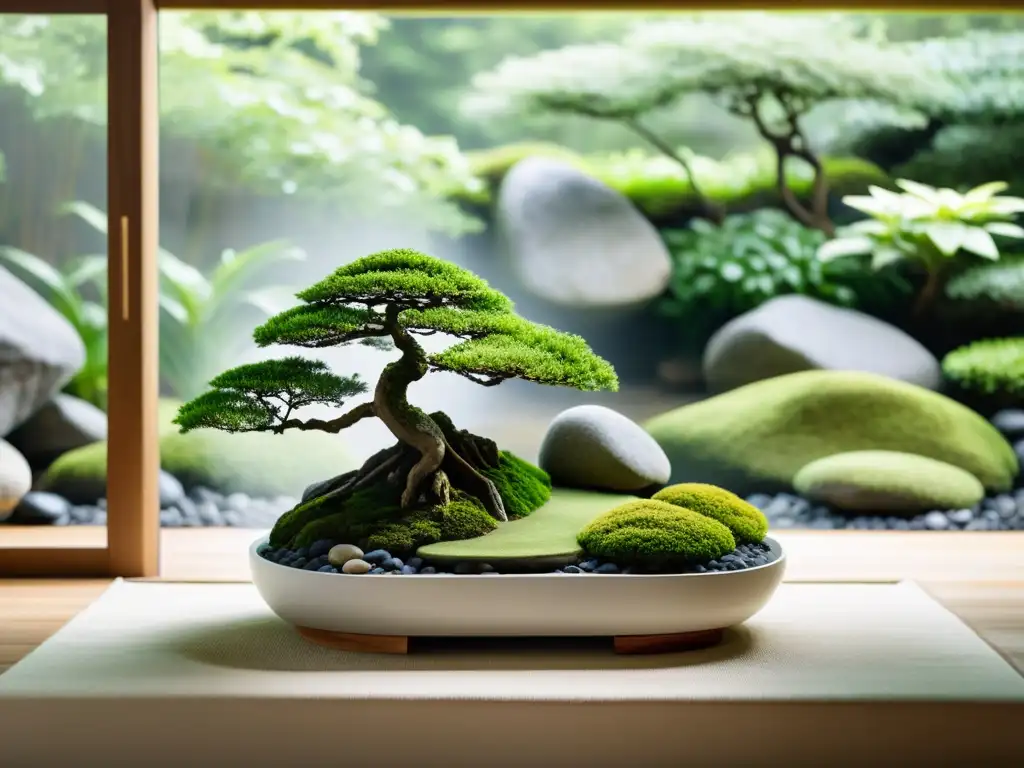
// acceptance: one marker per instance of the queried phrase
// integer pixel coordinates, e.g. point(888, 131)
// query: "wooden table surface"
point(978, 576)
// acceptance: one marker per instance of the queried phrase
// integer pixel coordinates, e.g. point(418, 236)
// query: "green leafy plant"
point(393, 296)
point(199, 315)
point(992, 369)
point(928, 226)
point(78, 292)
point(721, 272)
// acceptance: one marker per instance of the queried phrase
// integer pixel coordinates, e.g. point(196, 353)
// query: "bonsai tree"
point(386, 300)
point(769, 69)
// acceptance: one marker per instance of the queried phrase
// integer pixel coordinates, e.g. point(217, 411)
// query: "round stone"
point(341, 554)
point(356, 566)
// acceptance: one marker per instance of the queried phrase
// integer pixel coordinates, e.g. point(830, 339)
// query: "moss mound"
point(372, 516)
point(889, 482)
point(256, 464)
point(757, 437)
point(746, 522)
point(545, 538)
point(656, 535)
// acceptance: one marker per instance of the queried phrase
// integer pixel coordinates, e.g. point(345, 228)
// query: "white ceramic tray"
point(516, 605)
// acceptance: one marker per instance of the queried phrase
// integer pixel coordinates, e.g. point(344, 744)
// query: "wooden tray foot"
point(683, 641)
point(346, 641)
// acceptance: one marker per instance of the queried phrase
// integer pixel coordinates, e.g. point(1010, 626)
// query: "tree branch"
point(793, 144)
point(713, 211)
point(346, 420)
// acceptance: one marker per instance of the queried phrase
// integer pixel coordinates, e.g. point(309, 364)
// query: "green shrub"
point(747, 523)
point(655, 535)
point(719, 273)
point(660, 189)
point(887, 482)
point(988, 367)
point(757, 437)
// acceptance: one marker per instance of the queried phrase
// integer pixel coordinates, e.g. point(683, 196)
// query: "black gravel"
point(1004, 512)
point(744, 556)
point(199, 508)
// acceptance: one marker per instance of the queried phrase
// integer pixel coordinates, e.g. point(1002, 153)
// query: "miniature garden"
point(787, 283)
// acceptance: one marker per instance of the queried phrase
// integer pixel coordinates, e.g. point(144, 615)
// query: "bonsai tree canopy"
point(385, 300)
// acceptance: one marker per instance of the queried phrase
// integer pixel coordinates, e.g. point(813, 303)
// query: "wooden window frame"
point(133, 462)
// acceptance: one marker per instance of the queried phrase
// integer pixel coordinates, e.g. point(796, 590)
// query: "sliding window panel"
point(78, 456)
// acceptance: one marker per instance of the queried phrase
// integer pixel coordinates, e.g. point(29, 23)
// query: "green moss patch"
point(757, 437)
point(655, 535)
point(524, 487)
point(887, 482)
point(547, 537)
point(747, 523)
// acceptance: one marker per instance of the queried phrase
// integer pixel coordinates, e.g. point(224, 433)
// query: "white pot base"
point(378, 613)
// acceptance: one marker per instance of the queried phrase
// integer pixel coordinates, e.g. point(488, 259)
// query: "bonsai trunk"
point(437, 461)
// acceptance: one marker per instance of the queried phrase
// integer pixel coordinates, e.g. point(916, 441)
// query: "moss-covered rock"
point(372, 516)
point(372, 519)
point(258, 464)
point(758, 436)
point(747, 523)
point(658, 187)
point(656, 535)
point(887, 482)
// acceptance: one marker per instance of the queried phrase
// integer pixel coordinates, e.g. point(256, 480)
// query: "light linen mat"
point(176, 672)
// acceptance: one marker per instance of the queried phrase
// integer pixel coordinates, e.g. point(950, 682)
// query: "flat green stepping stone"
point(547, 537)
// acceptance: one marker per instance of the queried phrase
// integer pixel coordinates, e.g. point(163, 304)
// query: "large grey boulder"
point(39, 352)
point(594, 447)
point(576, 242)
point(795, 333)
point(15, 479)
point(63, 424)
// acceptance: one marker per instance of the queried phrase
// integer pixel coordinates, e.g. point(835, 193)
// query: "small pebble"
point(588, 565)
point(415, 562)
point(960, 516)
point(375, 571)
point(465, 568)
point(357, 566)
point(607, 568)
point(408, 570)
point(340, 554)
point(377, 556)
point(428, 570)
point(319, 548)
point(572, 569)
point(392, 564)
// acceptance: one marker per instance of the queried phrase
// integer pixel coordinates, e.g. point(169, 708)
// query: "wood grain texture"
point(133, 453)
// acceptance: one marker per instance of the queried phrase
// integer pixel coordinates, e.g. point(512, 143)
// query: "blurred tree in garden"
point(270, 102)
